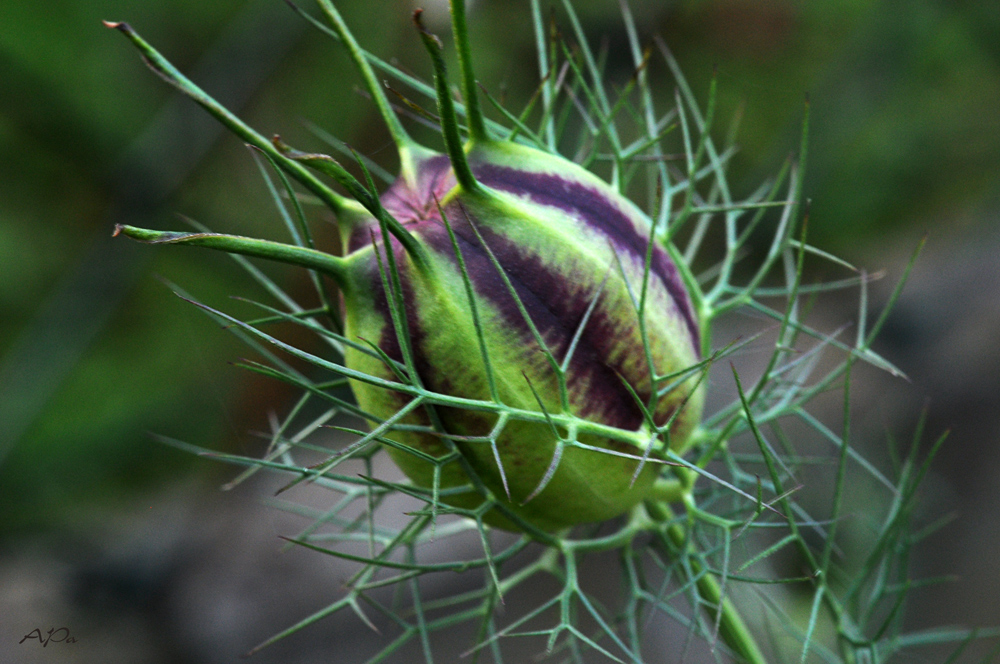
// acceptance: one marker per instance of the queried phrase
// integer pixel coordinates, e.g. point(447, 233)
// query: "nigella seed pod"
point(550, 247)
point(532, 347)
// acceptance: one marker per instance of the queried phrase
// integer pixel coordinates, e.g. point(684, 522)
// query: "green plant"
point(706, 508)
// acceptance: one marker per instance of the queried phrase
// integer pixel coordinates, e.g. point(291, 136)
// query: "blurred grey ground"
point(132, 547)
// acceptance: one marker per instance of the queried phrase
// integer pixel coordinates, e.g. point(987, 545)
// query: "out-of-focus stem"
point(732, 630)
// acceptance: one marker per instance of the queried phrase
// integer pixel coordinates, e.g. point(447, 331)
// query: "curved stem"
point(446, 108)
point(733, 631)
point(477, 128)
point(288, 159)
point(545, 77)
point(667, 491)
point(405, 145)
point(334, 266)
point(162, 67)
point(367, 198)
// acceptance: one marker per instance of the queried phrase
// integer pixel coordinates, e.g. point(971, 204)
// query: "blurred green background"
point(95, 351)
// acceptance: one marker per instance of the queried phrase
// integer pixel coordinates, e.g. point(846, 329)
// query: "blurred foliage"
point(94, 351)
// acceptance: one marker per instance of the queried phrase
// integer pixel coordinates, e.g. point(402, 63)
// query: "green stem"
point(544, 75)
point(409, 150)
point(334, 266)
point(446, 109)
point(289, 160)
point(732, 630)
point(477, 128)
point(162, 67)
point(668, 491)
point(329, 166)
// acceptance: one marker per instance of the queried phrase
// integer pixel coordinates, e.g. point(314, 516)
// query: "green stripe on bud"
point(520, 299)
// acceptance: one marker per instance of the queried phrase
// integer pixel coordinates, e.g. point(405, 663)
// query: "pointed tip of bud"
point(117, 231)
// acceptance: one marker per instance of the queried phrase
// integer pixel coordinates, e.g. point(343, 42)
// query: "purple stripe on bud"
point(556, 307)
point(410, 205)
point(594, 209)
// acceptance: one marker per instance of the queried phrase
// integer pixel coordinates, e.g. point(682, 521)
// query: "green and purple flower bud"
point(546, 331)
point(556, 261)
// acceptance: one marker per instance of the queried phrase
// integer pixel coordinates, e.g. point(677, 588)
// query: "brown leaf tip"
point(418, 21)
point(118, 25)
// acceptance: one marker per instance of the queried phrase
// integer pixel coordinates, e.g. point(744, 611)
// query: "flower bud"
point(537, 350)
point(545, 245)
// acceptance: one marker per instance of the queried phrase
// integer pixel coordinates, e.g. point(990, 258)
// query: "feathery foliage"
point(709, 547)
